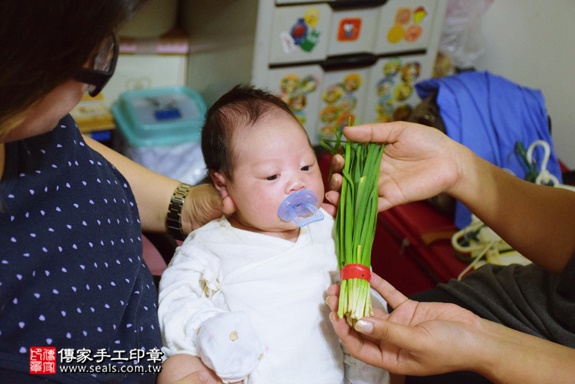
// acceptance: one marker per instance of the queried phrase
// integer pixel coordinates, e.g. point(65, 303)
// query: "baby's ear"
point(220, 183)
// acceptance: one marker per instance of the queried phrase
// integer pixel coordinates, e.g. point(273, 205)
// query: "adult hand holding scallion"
point(420, 162)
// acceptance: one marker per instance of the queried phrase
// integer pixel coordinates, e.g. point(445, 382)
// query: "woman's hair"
point(44, 43)
point(239, 108)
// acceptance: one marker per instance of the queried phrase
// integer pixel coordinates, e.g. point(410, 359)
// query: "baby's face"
point(273, 160)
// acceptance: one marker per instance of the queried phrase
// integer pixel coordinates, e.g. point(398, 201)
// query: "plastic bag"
point(184, 162)
point(461, 38)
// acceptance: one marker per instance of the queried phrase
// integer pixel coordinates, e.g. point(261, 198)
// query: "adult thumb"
point(401, 336)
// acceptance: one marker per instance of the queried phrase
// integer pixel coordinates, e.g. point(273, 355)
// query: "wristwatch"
point(174, 216)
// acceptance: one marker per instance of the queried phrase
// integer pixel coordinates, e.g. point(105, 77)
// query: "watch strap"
point(174, 216)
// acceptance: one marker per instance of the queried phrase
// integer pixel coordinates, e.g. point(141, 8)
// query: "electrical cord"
point(478, 240)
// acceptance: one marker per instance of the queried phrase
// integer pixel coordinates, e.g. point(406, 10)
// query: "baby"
point(246, 293)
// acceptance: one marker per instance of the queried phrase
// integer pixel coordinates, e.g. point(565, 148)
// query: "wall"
point(531, 43)
point(222, 35)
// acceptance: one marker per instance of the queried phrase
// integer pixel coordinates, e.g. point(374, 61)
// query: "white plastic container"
point(161, 130)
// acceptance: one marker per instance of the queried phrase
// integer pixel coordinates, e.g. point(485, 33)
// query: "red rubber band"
point(355, 271)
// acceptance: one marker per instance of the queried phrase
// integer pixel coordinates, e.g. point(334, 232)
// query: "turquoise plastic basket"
point(160, 116)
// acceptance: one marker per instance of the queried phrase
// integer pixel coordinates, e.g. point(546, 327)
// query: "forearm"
point(509, 357)
point(152, 190)
point(538, 221)
point(185, 297)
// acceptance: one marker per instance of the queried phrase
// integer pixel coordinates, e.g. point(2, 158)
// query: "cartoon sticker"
point(340, 103)
point(303, 33)
point(294, 91)
point(349, 29)
point(395, 88)
point(407, 25)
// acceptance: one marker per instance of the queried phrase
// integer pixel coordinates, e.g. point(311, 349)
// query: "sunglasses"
point(102, 66)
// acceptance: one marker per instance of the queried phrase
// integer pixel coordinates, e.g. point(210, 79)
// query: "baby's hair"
point(239, 108)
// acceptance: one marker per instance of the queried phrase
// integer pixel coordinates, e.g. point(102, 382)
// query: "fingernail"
point(332, 317)
point(364, 327)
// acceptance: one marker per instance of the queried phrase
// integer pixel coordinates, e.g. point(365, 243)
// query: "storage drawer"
point(343, 95)
point(299, 87)
point(353, 31)
point(391, 87)
point(307, 33)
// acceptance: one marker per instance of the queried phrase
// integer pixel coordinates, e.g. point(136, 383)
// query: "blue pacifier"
point(300, 207)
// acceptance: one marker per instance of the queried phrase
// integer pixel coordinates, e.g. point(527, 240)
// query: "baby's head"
point(257, 153)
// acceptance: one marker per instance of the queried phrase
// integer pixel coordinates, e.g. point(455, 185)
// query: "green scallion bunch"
point(355, 224)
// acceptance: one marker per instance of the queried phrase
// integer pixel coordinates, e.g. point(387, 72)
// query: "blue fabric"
point(489, 114)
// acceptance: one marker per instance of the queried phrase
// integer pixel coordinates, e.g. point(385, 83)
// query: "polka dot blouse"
point(71, 271)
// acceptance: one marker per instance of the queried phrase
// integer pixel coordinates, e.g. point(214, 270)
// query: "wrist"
point(496, 344)
point(468, 169)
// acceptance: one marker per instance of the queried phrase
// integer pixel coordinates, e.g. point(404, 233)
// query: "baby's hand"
point(200, 377)
point(230, 346)
point(186, 369)
point(203, 377)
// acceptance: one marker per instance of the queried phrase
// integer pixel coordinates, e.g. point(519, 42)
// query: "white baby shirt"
point(279, 285)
